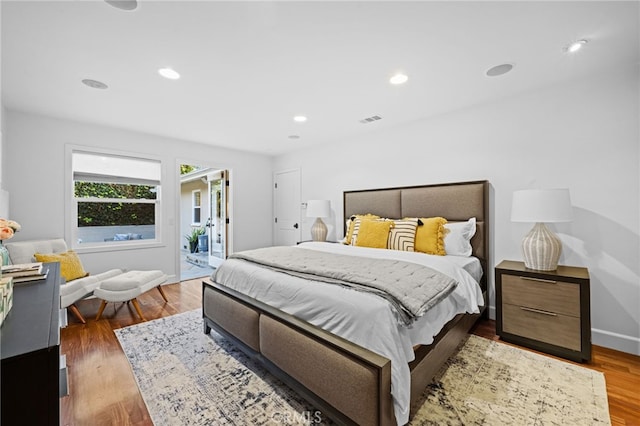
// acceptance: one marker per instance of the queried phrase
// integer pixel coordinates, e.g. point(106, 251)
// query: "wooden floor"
point(103, 390)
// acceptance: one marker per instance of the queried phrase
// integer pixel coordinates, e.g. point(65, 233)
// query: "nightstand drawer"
point(552, 328)
point(547, 295)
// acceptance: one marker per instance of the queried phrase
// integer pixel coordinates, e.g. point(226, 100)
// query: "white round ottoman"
point(126, 287)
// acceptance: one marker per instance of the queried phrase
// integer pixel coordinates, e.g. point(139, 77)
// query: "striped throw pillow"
point(403, 234)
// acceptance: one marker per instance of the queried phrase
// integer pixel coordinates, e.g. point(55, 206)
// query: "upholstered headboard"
point(456, 202)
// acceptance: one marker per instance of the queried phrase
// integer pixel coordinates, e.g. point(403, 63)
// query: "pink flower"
point(8, 228)
point(6, 233)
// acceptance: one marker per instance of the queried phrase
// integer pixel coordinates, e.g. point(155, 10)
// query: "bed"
point(350, 377)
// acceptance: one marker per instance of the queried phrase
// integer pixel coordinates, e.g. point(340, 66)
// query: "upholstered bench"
point(127, 287)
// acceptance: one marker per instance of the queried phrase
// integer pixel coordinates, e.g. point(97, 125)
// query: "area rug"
point(189, 378)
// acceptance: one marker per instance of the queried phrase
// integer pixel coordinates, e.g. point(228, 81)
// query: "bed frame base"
point(320, 404)
point(221, 305)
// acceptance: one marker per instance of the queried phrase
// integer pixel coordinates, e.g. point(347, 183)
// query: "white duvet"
point(362, 318)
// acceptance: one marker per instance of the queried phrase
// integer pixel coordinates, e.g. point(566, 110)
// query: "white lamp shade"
point(541, 205)
point(318, 208)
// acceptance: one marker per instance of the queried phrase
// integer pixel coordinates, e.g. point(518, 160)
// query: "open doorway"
point(204, 219)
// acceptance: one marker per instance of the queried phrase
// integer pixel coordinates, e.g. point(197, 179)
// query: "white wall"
point(34, 150)
point(583, 136)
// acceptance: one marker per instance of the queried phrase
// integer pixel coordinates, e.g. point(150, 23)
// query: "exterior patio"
point(194, 265)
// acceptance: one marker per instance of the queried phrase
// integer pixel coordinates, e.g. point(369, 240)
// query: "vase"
point(4, 256)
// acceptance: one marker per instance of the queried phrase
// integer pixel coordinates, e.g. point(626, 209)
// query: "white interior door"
point(287, 207)
point(218, 187)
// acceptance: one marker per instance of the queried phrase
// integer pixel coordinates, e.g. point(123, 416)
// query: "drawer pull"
point(540, 280)
point(538, 311)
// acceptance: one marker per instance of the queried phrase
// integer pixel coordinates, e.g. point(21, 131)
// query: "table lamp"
point(318, 209)
point(540, 247)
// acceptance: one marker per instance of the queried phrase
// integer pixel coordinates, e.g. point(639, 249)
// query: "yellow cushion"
point(354, 226)
point(430, 236)
point(374, 233)
point(70, 264)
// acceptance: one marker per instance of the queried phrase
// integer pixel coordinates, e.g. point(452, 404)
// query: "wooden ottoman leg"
point(76, 313)
point(101, 310)
point(164, 296)
point(137, 306)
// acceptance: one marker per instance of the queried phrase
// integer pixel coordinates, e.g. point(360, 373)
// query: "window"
point(196, 206)
point(116, 199)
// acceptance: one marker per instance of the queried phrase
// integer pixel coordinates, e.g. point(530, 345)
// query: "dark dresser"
point(31, 370)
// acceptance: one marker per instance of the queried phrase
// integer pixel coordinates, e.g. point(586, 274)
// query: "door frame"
point(177, 211)
point(225, 183)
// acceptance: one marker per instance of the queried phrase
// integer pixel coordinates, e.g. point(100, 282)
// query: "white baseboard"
point(492, 312)
point(619, 342)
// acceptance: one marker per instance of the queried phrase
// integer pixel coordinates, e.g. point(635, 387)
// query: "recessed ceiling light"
point(94, 84)
point(499, 70)
point(575, 46)
point(123, 4)
point(299, 118)
point(398, 79)
point(169, 73)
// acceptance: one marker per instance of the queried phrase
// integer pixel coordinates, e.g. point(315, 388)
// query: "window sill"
point(118, 246)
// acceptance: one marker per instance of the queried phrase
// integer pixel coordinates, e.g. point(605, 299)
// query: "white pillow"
point(346, 229)
point(457, 241)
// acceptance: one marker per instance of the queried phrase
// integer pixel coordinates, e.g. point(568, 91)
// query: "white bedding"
point(470, 264)
point(362, 318)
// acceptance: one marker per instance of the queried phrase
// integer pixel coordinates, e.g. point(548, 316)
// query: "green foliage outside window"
point(114, 190)
point(114, 213)
point(186, 168)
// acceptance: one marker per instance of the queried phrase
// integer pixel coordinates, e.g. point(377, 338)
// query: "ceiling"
point(247, 68)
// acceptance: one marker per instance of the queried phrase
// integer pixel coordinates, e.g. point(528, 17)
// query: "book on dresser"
point(25, 272)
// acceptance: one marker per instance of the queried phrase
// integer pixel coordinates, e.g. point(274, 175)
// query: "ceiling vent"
point(370, 119)
point(499, 70)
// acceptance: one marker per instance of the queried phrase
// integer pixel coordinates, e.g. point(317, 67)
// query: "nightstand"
point(549, 311)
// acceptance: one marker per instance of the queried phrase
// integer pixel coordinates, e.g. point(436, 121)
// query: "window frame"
point(71, 216)
point(195, 207)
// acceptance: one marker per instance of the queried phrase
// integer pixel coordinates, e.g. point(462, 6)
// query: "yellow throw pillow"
point(354, 226)
point(374, 233)
point(70, 264)
point(430, 236)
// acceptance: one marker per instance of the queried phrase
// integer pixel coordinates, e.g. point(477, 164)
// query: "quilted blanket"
point(410, 288)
